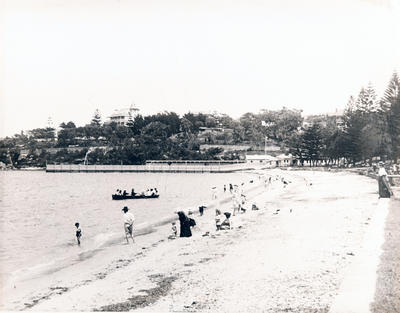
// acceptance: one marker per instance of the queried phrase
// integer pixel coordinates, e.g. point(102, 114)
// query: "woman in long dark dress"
point(185, 223)
point(384, 188)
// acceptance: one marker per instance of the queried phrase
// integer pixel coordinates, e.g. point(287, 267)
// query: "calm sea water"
point(38, 210)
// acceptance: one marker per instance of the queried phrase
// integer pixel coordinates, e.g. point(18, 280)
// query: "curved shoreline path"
point(293, 255)
point(358, 288)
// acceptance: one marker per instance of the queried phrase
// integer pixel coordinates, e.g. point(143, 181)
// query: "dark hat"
point(76, 224)
point(125, 209)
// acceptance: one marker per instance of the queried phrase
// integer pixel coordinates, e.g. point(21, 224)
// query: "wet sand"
point(289, 256)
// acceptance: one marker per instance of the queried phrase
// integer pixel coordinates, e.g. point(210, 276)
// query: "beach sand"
point(289, 256)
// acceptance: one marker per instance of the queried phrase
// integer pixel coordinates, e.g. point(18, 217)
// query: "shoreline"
point(161, 276)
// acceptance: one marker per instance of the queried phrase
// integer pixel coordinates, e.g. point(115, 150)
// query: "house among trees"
point(122, 116)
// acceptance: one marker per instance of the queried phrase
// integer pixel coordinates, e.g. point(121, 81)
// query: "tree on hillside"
point(66, 136)
point(96, 120)
point(389, 120)
point(394, 128)
point(296, 147)
point(354, 125)
point(371, 102)
point(138, 124)
point(197, 120)
point(130, 123)
point(391, 93)
point(312, 143)
point(282, 124)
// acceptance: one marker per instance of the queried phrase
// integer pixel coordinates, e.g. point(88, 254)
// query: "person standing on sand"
point(214, 193)
point(218, 219)
point(201, 209)
point(128, 224)
point(78, 233)
point(185, 223)
point(383, 185)
point(236, 201)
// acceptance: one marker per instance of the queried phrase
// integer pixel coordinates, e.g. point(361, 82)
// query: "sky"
point(66, 58)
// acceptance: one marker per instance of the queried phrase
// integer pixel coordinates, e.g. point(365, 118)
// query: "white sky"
point(65, 58)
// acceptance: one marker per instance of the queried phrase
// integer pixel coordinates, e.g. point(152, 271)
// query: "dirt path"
point(387, 295)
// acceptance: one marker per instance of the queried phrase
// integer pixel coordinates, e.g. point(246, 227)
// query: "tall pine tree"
point(96, 120)
point(391, 93)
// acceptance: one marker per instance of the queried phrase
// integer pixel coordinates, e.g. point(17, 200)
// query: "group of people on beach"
point(223, 220)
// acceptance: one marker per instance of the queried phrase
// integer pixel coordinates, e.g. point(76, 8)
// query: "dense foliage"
point(369, 128)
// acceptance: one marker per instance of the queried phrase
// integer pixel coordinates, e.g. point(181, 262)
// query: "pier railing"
point(156, 168)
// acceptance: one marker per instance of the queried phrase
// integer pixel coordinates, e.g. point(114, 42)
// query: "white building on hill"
point(122, 116)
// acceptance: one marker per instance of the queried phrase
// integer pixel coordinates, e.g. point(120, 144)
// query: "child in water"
point(78, 233)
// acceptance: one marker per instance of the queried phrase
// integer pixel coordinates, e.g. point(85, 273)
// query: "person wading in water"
point(128, 224)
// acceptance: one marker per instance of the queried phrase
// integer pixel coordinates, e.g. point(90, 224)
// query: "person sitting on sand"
point(174, 231)
point(218, 219)
point(385, 190)
point(201, 209)
point(78, 233)
point(128, 224)
point(185, 223)
point(226, 224)
point(254, 207)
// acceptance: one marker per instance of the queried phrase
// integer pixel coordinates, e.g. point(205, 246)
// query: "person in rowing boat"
point(133, 192)
point(128, 224)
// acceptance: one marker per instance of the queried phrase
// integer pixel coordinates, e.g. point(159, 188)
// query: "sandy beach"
point(291, 255)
